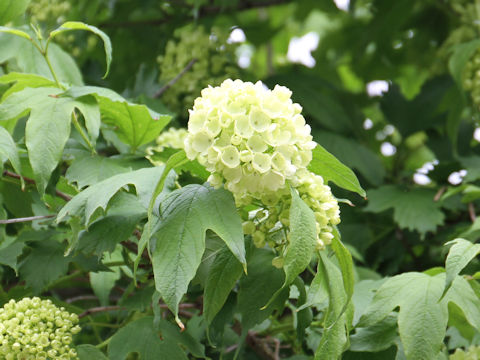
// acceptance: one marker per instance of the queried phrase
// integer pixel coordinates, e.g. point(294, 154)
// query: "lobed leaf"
point(178, 242)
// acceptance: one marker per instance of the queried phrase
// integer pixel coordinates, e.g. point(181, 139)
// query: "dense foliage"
point(144, 214)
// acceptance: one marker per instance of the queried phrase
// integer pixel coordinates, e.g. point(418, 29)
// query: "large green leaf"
point(45, 263)
point(89, 352)
point(76, 25)
point(46, 133)
point(99, 195)
point(303, 238)
point(135, 124)
point(140, 336)
point(414, 209)
point(10, 250)
point(422, 319)
point(11, 9)
point(124, 213)
point(47, 129)
point(256, 288)
point(90, 170)
point(460, 254)
point(21, 81)
point(8, 150)
point(29, 60)
point(331, 169)
point(178, 242)
point(334, 338)
point(222, 276)
point(346, 264)
point(377, 337)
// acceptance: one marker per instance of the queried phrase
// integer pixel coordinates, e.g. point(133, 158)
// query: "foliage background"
point(419, 48)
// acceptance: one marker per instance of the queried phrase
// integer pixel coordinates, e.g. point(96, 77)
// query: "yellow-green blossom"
point(35, 329)
point(250, 138)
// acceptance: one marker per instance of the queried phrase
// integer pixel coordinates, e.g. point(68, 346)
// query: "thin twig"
point(439, 193)
point(31, 181)
point(98, 309)
point(26, 219)
point(175, 79)
point(471, 212)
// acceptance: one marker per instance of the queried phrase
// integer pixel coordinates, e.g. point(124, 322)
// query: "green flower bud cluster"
point(473, 353)
point(36, 329)
point(215, 61)
point(471, 78)
point(253, 140)
point(172, 138)
point(50, 12)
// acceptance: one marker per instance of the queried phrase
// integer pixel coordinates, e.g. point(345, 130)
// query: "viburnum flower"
point(249, 138)
point(36, 329)
point(172, 138)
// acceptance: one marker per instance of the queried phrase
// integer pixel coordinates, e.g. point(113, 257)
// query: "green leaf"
point(90, 170)
point(222, 276)
point(353, 154)
point(334, 338)
point(90, 110)
point(175, 160)
point(11, 9)
point(346, 264)
point(179, 239)
point(422, 320)
point(375, 338)
point(141, 337)
point(256, 288)
point(413, 210)
point(102, 282)
point(136, 124)
point(461, 54)
point(8, 150)
point(46, 133)
point(29, 60)
point(45, 264)
point(460, 254)
point(331, 169)
point(124, 214)
point(303, 239)
point(47, 129)
point(20, 33)
point(99, 195)
point(23, 81)
point(89, 352)
point(10, 250)
point(76, 25)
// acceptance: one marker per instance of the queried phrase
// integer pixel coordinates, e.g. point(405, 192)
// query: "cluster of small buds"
point(214, 61)
point(248, 137)
point(48, 11)
point(471, 78)
point(253, 140)
point(35, 329)
point(172, 138)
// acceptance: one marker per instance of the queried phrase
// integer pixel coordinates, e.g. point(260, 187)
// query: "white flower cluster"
point(36, 329)
point(248, 137)
point(253, 140)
